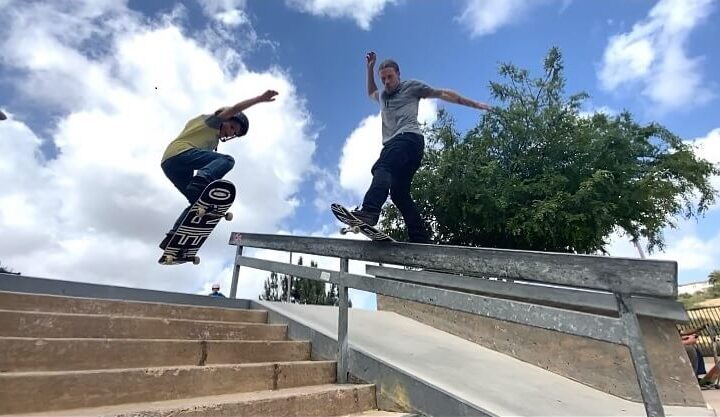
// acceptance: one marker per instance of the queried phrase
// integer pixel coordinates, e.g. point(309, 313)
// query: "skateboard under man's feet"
point(356, 225)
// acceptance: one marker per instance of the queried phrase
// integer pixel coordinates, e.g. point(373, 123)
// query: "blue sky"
point(96, 89)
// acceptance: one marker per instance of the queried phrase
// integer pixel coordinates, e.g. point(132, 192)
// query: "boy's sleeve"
point(213, 121)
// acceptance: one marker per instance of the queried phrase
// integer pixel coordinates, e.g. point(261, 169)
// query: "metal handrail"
point(620, 326)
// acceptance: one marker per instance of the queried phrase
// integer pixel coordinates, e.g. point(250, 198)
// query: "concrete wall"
point(601, 365)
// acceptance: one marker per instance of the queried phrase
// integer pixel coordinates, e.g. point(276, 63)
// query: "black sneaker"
point(371, 219)
point(195, 188)
point(166, 240)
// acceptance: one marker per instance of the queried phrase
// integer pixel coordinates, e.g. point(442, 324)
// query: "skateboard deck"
point(356, 225)
point(198, 223)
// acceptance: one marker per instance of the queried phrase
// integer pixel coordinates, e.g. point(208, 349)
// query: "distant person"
point(689, 341)
point(216, 291)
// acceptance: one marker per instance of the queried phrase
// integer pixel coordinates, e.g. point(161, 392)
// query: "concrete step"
point(318, 400)
point(27, 354)
point(61, 304)
point(25, 392)
point(50, 325)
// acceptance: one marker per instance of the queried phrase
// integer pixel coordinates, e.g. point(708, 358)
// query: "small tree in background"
point(302, 291)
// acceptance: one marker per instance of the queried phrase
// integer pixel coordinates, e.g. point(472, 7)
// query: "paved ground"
point(468, 371)
point(712, 396)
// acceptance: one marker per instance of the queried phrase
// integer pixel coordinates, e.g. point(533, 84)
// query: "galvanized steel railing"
point(591, 296)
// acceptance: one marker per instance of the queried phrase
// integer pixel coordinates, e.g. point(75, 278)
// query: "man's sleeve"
point(420, 89)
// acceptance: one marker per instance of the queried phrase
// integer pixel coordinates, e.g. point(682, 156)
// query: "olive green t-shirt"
point(202, 132)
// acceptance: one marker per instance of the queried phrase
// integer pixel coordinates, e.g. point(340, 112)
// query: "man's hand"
point(689, 340)
point(482, 106)
point(269, 95)
point(371, 58)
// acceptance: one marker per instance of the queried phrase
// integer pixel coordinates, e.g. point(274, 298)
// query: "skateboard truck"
point(349, 229)
point(213, 212)
point(181, 257)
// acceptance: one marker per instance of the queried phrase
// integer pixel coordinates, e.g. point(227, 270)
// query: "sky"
point(94, 90)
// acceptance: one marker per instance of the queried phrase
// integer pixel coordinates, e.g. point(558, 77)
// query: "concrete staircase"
point(81, 356)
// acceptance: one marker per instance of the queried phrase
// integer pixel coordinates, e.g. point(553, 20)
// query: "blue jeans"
point(393, 172)
point(180, 170)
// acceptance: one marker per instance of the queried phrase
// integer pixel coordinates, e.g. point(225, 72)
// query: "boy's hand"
point(269, 95)
point(371, 57)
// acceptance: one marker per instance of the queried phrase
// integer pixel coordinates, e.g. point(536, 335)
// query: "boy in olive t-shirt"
point(191, 162)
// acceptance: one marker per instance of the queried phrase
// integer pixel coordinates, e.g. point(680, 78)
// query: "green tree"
point(536, 174)
point(7, 270)
point(714, 278)
point(302, 291)
point(270, 292)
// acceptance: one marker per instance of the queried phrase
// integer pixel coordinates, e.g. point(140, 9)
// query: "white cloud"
point(708, 147)
point(97, 211)
point(695, 256)
point(485, 17)
point(653, 55)
point(592, 110)
point(362, 11)
point(228, 12)
point(363, 147)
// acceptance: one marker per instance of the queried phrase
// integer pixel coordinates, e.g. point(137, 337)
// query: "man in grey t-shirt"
point(403, 143)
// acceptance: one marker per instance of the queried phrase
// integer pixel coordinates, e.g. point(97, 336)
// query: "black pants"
point(393, 173)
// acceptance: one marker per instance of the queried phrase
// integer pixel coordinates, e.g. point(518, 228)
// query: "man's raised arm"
point(371, 87)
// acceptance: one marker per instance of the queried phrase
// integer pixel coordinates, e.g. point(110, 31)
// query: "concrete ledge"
point(32, 285)
point(21, 354)
point(396, 389)
point(320, 400)
point(23, 392)
point(604, 366)
point(52, 325)
point(380, 413)
point(75, 305)
point(437, 373)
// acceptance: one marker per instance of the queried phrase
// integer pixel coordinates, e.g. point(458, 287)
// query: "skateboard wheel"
point(168, 259)
point(195, 260)
point(343, 231)
point(228, 216)
point(201, 211)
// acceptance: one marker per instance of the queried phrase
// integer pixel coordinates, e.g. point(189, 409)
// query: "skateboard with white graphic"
point(212, 206)
point(356, 225)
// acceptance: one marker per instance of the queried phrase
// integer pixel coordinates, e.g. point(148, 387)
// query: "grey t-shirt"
point(400, 108)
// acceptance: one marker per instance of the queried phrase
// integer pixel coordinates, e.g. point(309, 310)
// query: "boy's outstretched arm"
point(453, 97)
point(227, 112)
